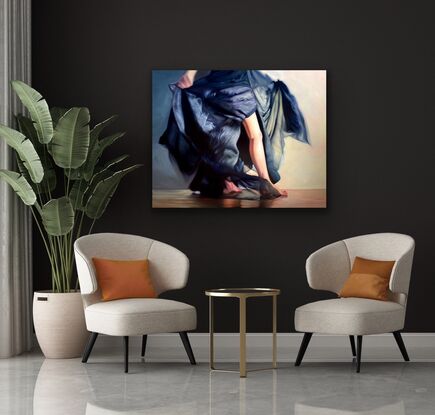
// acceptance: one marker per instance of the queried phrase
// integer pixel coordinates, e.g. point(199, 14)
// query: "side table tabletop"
point(242, 294)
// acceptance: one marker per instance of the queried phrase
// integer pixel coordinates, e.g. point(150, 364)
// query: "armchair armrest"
point(85, 272)
point(401, 274)
point(328, 267)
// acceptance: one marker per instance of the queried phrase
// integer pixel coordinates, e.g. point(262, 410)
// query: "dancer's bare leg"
point(230, 187)
point(256, 149)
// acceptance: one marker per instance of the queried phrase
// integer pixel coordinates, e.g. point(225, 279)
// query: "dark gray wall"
point(381, 146)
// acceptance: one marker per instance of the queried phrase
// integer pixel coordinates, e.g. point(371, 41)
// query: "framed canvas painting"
point(239, 138)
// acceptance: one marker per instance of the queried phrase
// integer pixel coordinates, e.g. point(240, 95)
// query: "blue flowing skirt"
point(206, 138)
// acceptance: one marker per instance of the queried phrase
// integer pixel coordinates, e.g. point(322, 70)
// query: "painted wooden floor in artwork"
point(306, 198)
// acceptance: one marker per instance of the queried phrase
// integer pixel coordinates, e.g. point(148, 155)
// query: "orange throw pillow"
point(368, 279)
point(123, 279)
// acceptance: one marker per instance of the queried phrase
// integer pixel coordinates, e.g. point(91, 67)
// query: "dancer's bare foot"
point(230, 187)
point(283, 192)
point(270, 191)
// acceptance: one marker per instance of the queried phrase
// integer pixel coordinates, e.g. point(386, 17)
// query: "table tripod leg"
point(274, 348)
point(211, 329)
point(242, 312)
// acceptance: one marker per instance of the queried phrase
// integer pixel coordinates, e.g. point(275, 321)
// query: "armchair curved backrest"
point(328, 267)
point(169, 267)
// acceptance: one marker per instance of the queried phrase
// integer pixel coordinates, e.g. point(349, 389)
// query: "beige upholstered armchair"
point(328, 268)
point(169, 270)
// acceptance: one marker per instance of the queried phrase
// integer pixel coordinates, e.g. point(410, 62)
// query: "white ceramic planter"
point(59, 324)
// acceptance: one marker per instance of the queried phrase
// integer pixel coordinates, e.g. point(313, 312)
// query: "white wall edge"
point(326, 348)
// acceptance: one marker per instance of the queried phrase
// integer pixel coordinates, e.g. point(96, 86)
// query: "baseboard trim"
point(325, 348)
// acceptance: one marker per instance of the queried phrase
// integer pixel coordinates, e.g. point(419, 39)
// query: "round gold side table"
point(242, 294)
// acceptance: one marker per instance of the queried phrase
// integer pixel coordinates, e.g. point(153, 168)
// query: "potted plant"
point(63, 181)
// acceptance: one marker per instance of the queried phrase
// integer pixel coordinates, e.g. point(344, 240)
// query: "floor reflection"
point(180, 409)
point(350, 405)
point(269, 392)
point(68, 387)
point(61, 385)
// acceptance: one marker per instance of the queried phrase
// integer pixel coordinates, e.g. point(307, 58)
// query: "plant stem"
point(64, 184)
point(78, 233)
point(91, 227)
point(42, 236)
point(79, 230)
point(67, 246)
point(58, 244)
point(45, 163)
point(62, 261)
point(51, 252)
point(56, 286)
point(67, 186)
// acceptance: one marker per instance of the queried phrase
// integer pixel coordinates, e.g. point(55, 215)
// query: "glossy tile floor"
point(31, 385)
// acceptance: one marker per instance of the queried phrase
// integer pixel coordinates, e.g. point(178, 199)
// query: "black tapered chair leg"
point(89, 346)
point(358, 353)
point(352, 345)
point(187, 347)
point(401, 345)
point(144, 344)
point(126, 354)
point(303, 348)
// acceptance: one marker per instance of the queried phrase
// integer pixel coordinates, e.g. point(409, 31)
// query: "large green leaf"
point(104, 191)
point(87, 169)
point(38, 110)
point(26, 127)
point(108, 141)
point(23, 171)
point(58, 216)
point(56, 114)
point(20, 185)
point(94, 152)
point(97, 148)
point(96, 131)
point(25, 150)
point(76, 194)
point(102, 173)
point(48, 183)
point(70, 143)
point(73, 174)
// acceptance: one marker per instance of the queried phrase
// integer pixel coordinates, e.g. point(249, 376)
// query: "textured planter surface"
point(59, 324)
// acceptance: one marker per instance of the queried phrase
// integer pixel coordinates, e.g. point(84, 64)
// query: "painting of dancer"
point(239, 138)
